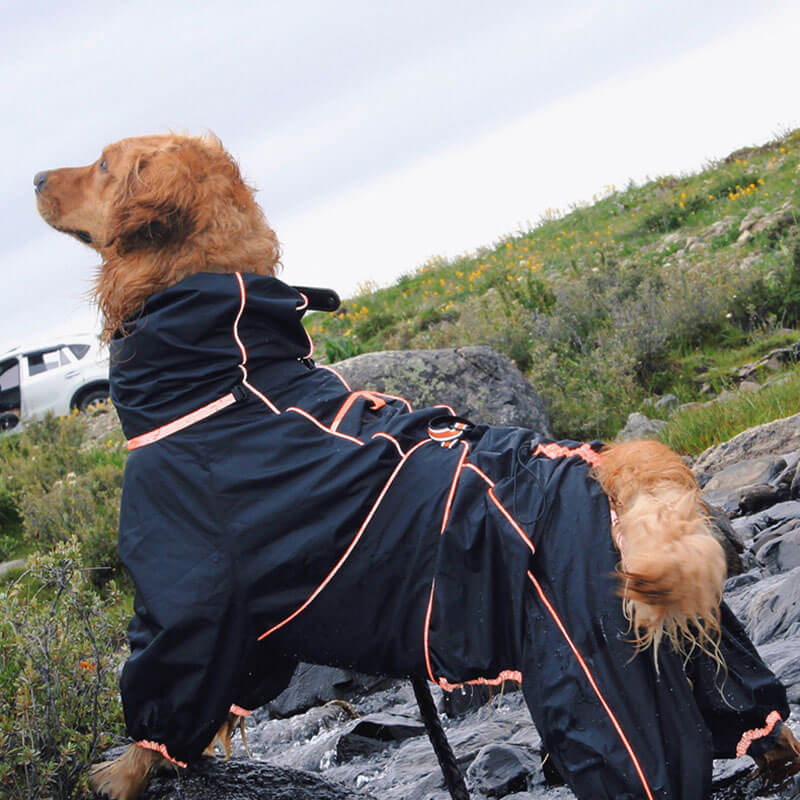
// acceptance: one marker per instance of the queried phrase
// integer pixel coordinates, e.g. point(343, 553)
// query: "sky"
point(379, 135)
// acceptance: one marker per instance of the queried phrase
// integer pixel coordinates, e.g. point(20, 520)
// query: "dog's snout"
point(39, 180)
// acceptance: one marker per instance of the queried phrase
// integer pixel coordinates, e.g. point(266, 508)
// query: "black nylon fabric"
point(370, 547)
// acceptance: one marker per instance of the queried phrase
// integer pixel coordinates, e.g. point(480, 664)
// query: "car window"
point(9, 375)
point(41, 362)
point(63, 357)
point(79, 350)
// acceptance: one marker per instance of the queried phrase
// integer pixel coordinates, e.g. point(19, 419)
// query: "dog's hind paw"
point(126, 777)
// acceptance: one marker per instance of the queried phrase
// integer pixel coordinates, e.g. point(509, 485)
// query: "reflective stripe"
point(352, 545)
point(583, 665)
point(748, 737)
point(505, 675)
point(376, 401)
point(160, 748)
point(182, 422)
point(243, 294)
point(554, 450)
point(384, 435)
point(324, 427)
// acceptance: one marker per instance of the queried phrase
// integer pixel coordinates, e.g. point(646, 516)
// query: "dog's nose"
point(39, 180)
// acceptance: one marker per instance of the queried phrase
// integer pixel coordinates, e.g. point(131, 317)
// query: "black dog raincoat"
point(271, 514)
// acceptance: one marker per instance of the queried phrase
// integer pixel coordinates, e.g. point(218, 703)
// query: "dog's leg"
point(672, 568)
point(126, 777)
point(224, 734)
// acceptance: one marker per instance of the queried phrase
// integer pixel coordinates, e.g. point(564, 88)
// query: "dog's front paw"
point(126, 777)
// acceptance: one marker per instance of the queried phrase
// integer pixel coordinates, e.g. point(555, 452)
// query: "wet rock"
point(374, 733)
point(726, 535)
point(774, 610)
point(214, 779)
point(312, 685)
point(477, 382)
point(783, 657)
point(639, 426)
point(500, 769)
point(781, 552)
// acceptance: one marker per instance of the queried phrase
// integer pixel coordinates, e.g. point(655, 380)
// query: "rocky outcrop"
point(769, 439)
point(477, 382)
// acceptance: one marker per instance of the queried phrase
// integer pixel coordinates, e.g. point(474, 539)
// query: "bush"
point(60, 488)
point(59, 706)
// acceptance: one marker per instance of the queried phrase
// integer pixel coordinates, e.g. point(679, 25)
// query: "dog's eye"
point(104, 165)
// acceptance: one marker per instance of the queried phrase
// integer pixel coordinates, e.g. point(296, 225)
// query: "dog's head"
point(157, 209)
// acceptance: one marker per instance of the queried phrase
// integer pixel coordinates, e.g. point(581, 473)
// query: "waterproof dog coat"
point(271, 514)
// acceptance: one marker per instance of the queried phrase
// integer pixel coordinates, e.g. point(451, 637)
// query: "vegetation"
point(648, 290)
point(608, 304)
point(58, 689)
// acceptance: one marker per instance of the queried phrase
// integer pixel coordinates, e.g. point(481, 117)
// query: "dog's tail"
point(671, 568)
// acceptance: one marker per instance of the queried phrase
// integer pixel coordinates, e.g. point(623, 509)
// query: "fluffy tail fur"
point(672, 568)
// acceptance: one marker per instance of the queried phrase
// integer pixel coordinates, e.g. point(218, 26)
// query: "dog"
point(580, 557)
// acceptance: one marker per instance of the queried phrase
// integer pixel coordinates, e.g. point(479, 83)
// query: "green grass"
point(603, 305)
point(693, 430)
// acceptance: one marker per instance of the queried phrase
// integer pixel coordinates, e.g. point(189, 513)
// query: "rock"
point(755, 213)
point(746, 472)
point(781, 655)
point(749, 386)
point(774, 611)
point(731, 543)
point(667, 402)
point(771, 438)
point(375, 732)
point(744, 237)
point(772, 361)
point(499, 769)
point(782, 552)
point(214, 779)
point(639, 426)
point(312, 685)
point(476, 382)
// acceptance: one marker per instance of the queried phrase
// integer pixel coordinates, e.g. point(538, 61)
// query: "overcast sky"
point(378, 134)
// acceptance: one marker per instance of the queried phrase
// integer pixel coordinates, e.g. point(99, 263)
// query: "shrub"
point(60, 488)
point(59, 706)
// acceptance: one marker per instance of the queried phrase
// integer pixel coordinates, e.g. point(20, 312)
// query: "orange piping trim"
point(391, 438)
point(395, 397)
point(348, 403)
point(554, 450)
point(505, 675)
point(512, 521)
point(323, 427)
point(182, 422)
point(637, 766)
point(160, 748)
point(337, 374)
point(242, 367)
point(480, 472)
point(426, 633)
point(444, 405)
point(445, 517)
point(239, 711)
point(453, 485)
point(352, 545)
point(748, 737)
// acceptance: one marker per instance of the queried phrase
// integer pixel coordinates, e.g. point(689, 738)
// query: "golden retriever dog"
point(158, 209)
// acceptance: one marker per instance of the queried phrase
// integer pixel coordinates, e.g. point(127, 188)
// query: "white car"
point(57, 378)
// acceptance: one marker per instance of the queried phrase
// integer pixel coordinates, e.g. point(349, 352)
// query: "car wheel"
point(8, 421)
point(93, 399)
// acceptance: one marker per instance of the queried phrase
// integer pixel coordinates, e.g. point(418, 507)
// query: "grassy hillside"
point(648, 290)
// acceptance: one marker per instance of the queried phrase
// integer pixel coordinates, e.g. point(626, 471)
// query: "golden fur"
point(159, 208)
point(672, 568)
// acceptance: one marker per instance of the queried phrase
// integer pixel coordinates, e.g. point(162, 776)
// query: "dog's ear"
point(154, 207)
